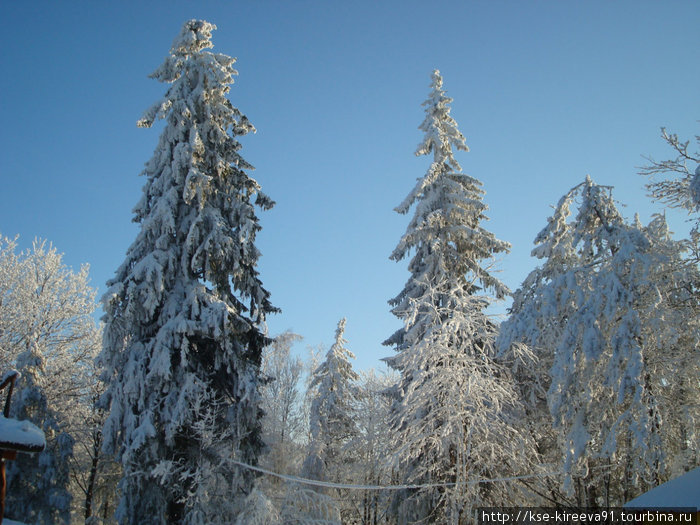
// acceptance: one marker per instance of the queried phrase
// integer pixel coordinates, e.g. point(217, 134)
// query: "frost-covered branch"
point(681, 187)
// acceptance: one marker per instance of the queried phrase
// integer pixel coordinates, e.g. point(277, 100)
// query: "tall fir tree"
point(183, 339)
point(445, 231)
point(453, 419)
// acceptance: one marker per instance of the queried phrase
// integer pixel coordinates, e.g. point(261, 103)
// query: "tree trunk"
point(92, 479)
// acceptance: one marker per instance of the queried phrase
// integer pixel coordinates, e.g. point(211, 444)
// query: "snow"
point(695, 188)
point(7, 375)
point(333, 394)
point(21, 435)
point(600, 306)
point(453, 419)
point(683, 491)
point(184, 312)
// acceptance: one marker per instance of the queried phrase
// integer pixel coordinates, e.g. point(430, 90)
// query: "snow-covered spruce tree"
point(332, 423)
point(182, 343)
point(601, 310)
point(445, 230)
point(455, 406)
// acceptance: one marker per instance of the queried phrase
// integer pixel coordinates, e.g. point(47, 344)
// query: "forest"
point(179, 406)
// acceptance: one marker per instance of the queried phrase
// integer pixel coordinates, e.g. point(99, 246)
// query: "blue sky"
point(545, 92)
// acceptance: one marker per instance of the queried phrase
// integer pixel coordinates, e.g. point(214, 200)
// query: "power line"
point(349, 486)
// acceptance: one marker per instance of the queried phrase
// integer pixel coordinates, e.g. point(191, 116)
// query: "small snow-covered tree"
point(455, 405)
point(601, 310)
point(258, 510)
point(48, 333)
point(332, 422)
point(183, 340)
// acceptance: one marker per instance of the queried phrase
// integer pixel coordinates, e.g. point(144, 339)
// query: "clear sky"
point(545, 92)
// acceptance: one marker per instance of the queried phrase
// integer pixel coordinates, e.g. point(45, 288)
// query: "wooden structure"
point(15, 436)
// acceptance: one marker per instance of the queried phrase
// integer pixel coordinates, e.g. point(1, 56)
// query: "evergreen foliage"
point(332, 421)
point(455, 408)
point(589, 388)
point(607, 309)
point(445, 232)
point(182, 343)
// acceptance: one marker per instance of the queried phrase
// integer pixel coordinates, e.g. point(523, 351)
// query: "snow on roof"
point(683, 491)
point(21, 435)
point(10, 373)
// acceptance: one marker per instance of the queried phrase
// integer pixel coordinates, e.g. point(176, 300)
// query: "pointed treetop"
point(340, 330)
point(446, 230)
point(192, 71)
point(337, 363)
point(338, 349)
point(194, 36)
point(597, 214)
point(437, 79)
point(441, 133)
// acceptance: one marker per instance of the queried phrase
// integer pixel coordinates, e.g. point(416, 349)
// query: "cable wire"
point(349, 486)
